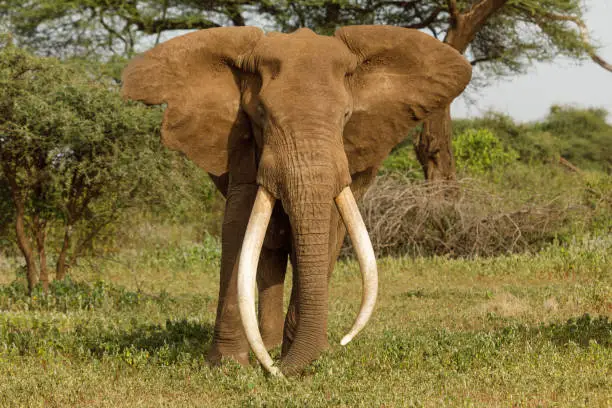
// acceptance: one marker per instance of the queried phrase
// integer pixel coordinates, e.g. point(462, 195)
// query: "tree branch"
point(483, 59)
point(234, 13)
point(584, 35)
point(426, 22)
point(155, 26)
point(481, 11)
point(464, 26)
point(164, 14)
point(452, 9)
point(111, 30)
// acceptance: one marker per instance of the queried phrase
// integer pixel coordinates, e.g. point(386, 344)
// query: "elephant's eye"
point(261, 111)
point(347, 115)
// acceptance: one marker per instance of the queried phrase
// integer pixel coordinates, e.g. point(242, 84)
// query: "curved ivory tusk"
point(345, 201)
point(247, 271)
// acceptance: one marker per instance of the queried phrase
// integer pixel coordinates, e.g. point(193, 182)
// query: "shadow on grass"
point(176, 341)
point(581, 331)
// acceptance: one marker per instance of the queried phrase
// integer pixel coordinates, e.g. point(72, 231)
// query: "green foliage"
point(69, 295)
point(598, 196)
point(532, 146)
point(77, 156)
point(185, 257)
point(525, 31)
point(7, 215)
point(480, 152)
point(402, 161)
point(579, 135)
point(583, 136)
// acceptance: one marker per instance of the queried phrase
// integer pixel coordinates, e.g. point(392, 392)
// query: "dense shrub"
point(76, 160)
point(581, 136)
point(480, 152)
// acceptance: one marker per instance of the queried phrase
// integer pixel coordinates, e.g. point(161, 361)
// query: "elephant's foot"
point(218, 353)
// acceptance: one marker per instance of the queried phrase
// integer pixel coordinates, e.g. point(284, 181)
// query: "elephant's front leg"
point(229, 339)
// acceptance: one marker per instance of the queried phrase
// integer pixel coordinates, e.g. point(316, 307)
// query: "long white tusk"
point(345, 201)
point(247, 270)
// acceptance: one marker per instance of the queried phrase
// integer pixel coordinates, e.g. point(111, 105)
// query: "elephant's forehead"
point(304, 44)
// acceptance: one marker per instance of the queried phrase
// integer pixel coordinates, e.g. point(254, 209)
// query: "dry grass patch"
point(506, 305)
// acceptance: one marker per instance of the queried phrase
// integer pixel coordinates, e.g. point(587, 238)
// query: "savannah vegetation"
point(133, 330)
point(495, 288)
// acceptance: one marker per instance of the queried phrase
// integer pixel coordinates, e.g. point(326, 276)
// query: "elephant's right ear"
point(195, 75)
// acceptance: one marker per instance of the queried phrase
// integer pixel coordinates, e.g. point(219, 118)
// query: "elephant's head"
point(317, 110)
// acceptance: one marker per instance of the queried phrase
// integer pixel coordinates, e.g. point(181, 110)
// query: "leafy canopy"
point(505, 43)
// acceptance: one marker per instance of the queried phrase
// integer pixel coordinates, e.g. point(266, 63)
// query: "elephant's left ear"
point(402, 76)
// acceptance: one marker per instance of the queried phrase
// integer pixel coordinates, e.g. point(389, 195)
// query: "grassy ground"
point(521, 330)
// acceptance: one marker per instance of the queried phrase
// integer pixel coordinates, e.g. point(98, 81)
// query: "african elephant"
point(291, 127)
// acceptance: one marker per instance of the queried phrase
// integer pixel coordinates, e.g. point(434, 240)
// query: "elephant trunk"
point(309, 215)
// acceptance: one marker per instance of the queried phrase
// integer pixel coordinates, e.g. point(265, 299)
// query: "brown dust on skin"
point(302, 115)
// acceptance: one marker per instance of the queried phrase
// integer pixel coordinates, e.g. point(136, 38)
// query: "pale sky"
point(528, 97)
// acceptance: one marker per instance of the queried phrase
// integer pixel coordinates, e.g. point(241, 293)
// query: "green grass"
point(520, 330)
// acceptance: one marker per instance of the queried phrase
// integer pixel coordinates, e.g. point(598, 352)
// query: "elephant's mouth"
point(251, 248)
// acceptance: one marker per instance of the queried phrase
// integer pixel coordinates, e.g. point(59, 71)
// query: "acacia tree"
point(502, 37)
point(499, 37)
point(73, 154)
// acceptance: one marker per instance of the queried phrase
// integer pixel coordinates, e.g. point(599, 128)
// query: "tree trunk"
point(40, 232)
point(60, 267)
point(22, 239)
point(433, 147)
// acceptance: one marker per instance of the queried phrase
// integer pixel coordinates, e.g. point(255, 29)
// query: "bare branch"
point(426, 22)
point(155, 26)
point(112, 31)
point(483, 59)
point(601, 62)
point(584, 35)
point(481, 11)
point(164, 14)
point(235, 15)
point(465, 25)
